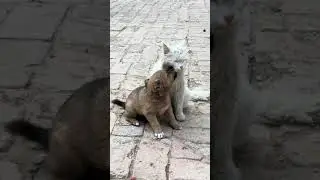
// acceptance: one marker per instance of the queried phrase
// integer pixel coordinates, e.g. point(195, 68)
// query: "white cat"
point(178, 55)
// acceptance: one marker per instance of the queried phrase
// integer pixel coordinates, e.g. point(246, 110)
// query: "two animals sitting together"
point(164, 94)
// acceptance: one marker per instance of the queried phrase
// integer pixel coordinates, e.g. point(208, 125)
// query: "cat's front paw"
point(159, 135)
point(181, 117)
point(175, 125)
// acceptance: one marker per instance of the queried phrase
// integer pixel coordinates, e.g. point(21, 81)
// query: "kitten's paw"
point(134, 122)
point(181, 117)
point(159, 135)
point(176, 126)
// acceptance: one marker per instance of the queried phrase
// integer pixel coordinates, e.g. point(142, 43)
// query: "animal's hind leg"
point(177, 100)
point(169, 116)
point(131, 117)
point(63, 162)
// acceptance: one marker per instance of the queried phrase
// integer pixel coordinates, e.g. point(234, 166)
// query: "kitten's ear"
point(146, 82)
point(185, 42)
point(166, 49)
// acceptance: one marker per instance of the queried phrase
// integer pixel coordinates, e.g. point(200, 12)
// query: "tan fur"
point(80, 133)
point(78, 145)
point(152, 101)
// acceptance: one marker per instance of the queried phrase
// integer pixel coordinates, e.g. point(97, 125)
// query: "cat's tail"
point(30, 131)
point(119, 103)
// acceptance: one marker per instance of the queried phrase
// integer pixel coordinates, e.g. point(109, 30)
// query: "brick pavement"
point(283, 47)
point(137, 30)
point(47, 49)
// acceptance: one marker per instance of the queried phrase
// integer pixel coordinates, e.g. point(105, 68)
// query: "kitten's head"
point(223, 13)
point(176, 54)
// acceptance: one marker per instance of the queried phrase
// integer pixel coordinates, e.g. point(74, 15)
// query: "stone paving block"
point(301, 7)
point(302, 23)
point(9, 170)
point(115, 57)
point(44, 105)
point(120, 68)
point(150, 54)
point(115, 81)
point(132, 82)
point(304, 150)
point(94, 59)
point(131, 57)
point(14, 77)
point(128, 130)
point(194, 118)
point(121, 154)
point(113, 120)
point(303, 45)
point(199, 80)
point(80, 27)
point(94, 14)
point(269, 22)
point(136, 48)
point(197, 31)
point(138, 35)
point(188, 169)
point(151, 159)
point(122, 121)
point(22, 53)
point(260, 132)
point(273, 41)
point(180, 150)
point(39, 22)
point(8, 112)
point(139, 69)
point(70, 77)
point(196, 135)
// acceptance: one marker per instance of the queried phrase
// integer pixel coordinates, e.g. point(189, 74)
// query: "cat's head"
point(177, 54)
point(222, 13)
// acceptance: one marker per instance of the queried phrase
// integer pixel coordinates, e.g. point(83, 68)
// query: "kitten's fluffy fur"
point(177, 54)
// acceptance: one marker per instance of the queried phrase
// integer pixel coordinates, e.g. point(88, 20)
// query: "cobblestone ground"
point(47, 49)
point(283, 47)
point(137, 29)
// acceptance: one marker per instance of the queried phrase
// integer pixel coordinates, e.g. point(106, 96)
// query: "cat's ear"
point(166, 49)
point(185, 42)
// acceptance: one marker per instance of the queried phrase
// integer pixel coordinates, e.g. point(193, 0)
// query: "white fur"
point(178, 56)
